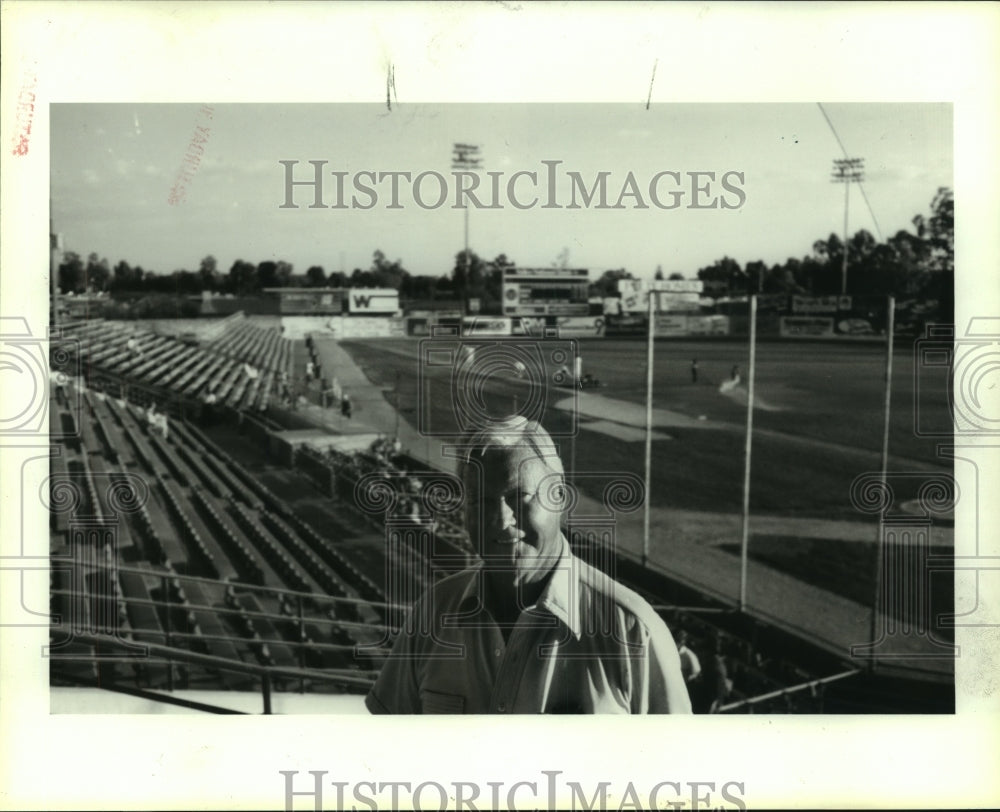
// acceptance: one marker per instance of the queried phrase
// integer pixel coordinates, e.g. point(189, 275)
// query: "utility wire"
point(847, 155)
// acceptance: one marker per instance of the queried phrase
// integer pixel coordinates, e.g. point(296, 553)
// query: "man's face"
point(513, 515)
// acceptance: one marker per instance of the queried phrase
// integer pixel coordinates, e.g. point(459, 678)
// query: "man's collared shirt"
point(588, 645)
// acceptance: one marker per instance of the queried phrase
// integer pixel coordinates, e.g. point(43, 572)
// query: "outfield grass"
point(832, 392)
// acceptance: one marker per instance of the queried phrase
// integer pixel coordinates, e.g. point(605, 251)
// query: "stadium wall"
point(343, 327)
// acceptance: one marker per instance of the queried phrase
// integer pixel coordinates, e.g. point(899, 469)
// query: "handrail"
point(142, 693)
point(267, 673)
point(753, 700)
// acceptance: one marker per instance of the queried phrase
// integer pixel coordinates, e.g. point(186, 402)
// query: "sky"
point(113, 167)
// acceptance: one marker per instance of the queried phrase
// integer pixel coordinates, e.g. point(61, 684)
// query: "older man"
point(533, 629)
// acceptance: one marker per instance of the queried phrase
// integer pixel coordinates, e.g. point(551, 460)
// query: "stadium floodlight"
point(466, 158)
point(847, 171)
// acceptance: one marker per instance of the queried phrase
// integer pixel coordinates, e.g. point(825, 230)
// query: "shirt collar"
point(560, 597)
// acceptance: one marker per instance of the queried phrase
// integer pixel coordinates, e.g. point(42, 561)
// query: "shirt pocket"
point(438, 702)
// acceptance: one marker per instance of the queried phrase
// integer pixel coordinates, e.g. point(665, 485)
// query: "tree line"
point(471, 276)
point(916, 265)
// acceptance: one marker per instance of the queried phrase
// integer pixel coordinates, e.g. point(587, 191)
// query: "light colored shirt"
point(690, 665)
point(588, 645)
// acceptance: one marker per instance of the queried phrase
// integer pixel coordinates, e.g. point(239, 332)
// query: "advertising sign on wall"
point(806, 326)
point(359, 327)
point(580, 326)
point(486, 326)
point(370, 301)
point(708, 325)
point(671, 325)
point(625, 325)
point(820, 304)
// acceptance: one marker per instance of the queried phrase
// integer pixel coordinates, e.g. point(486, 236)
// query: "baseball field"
point(818, 422)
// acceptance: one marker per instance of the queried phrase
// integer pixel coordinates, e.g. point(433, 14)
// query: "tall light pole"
point(466, 158)
point(847, 171)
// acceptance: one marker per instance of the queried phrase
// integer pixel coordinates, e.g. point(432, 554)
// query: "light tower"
point(466, 158)
point(847, 171)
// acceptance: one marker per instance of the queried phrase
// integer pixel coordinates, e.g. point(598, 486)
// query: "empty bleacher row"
point(307, 540)
point(195, 442)
point(243, 366)
point(274, 552)
point(243, 557)
point(191, 525)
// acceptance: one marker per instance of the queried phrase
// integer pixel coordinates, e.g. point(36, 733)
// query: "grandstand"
point(242, 365)
point(221, 555)
point(170, 543)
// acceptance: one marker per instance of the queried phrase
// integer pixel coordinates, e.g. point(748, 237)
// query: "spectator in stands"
point(132, 345)
point(57, 378)
point(209, 400)
point(157, 420)
point(309, 371)
point(533, 629)
point(415, 484)
point(690, 665)
point(717, 680)
point(151, 416)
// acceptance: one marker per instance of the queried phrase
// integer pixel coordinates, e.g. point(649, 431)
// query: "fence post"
point(166, 630)
point(266, 689)
point(302, 643)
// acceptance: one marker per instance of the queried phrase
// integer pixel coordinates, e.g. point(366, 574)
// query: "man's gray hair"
point(514, 434)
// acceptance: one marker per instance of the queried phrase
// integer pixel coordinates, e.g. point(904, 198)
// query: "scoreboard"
point(545, 291)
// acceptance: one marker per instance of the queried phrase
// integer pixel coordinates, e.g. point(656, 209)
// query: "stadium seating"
point(69, 608)
point(272, 551)
point(206, 564)
point(246, 560)
point(202, 473)
point(306, 557)
point(272, 650)
point(137, 355)
point(145, 627)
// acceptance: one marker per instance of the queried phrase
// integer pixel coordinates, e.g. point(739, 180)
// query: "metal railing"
point(266, 674)
point(811, 685)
